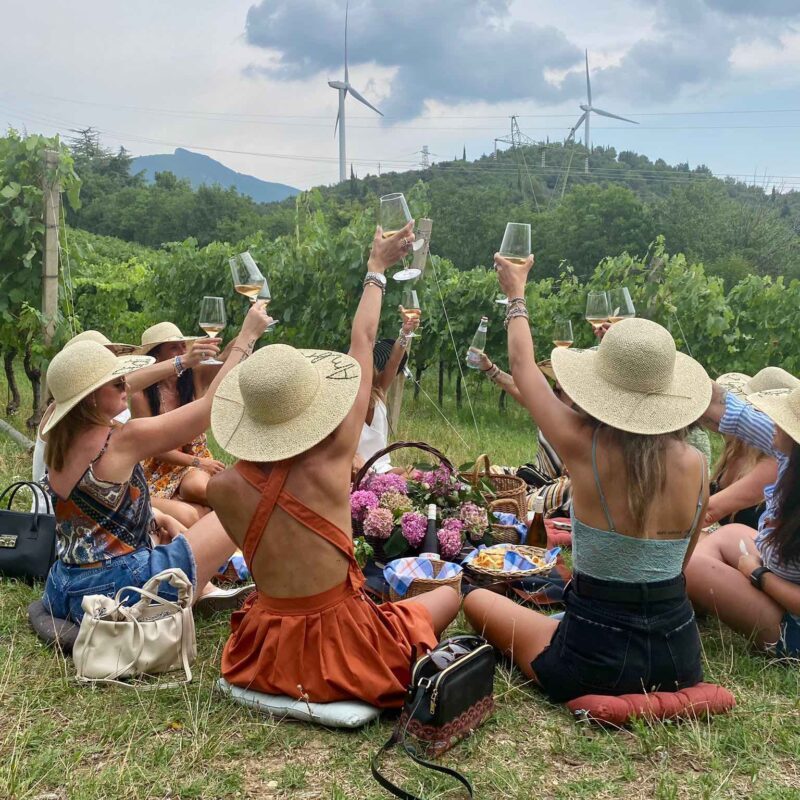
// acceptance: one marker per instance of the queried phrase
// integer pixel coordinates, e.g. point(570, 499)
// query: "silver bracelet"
point(513, 312)
point(372, 278)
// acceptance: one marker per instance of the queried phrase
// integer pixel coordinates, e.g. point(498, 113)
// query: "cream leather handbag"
point(148, 638)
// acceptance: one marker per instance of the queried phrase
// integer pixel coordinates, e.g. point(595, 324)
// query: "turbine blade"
point(346, 15)
point(362, 99)
point(588, 84)
point(336, 126)
point(577, 125)
point(612, 116)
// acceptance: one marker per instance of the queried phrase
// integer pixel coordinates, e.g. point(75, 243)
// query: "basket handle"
point(398, 446)
point(487, 466)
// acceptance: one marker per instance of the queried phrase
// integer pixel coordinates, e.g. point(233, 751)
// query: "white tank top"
point(375, 437)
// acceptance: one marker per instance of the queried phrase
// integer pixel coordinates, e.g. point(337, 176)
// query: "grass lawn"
point(61, 741)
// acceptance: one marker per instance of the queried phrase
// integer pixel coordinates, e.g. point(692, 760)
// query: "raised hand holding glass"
point(212, 320)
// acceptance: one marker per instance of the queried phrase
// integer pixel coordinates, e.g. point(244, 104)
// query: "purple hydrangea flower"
point(475, 519)
point(450, 537)
point(378, 523)
point(361, 502)
point(388, 482)
point(413, 525)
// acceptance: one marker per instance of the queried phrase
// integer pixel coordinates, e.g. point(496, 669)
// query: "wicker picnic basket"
point(515, 575)
point(421, 585)
point(377, 544)
point(509, 495)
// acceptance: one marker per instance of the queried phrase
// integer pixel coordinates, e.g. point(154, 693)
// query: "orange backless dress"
point(335, 645)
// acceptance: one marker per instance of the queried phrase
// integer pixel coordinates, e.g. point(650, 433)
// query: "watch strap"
point(757, 576)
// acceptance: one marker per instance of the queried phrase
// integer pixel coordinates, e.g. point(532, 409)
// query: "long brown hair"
point(785, 536)
point(63, 434)
point(645, 459)
point(737, 450)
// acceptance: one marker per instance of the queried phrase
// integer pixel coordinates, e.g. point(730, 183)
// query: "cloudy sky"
point(709, 81)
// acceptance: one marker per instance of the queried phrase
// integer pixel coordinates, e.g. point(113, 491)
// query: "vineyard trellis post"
point(52, 207)
point(395, 399)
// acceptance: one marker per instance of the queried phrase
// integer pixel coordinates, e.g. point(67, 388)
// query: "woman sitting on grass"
point(102, 505)
point(757, 592)
point(293, 418)
point(638, 493)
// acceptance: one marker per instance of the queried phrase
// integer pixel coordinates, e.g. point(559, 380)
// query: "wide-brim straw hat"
point(281, 401)
point(381, 354)
point(546, 368)
point(117, 348)
point(79, 369)
point(161, 333)
point(635, 380)
point(764, 380)
point(782, 406)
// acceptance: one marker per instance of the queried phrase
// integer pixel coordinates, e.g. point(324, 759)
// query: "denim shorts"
point(788, 646)
point(67, 584)
point(607, 647)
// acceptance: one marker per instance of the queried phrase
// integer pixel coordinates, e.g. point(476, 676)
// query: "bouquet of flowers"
point(391, 510)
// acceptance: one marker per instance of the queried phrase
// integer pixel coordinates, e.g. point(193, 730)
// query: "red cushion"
point(702, 700)
point(556, 537)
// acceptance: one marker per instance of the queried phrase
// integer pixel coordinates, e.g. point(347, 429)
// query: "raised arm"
point(396, 356)
point(144, 437)
point(560, 424)
point(147, 376)
point(502, 379)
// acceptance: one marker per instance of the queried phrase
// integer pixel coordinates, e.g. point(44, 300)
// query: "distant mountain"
point(200, 169)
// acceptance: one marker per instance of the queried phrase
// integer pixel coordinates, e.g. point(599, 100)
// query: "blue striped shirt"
point(755, 428)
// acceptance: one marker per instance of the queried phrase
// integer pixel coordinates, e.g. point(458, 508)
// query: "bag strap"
point(37, 490)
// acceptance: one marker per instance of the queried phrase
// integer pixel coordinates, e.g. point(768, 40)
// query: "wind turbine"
point(343, 87)
point(588, 109)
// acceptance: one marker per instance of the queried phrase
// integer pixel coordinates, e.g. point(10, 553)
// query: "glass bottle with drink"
point(430, 544)
point(537, 532)
point(478, 345)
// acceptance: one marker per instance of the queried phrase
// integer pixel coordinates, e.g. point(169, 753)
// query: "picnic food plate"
point(489, 562)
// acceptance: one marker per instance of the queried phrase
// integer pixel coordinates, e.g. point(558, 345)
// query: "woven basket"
point(421, 585)
point(503, 534)
point(504, 487)
point(377, 544)
point(499, 575)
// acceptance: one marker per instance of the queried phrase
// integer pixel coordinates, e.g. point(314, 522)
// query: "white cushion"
point(342, 714)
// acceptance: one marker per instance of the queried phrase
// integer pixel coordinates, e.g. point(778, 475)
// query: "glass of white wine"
point(562, 333)
point(621, 305)
point(265, 295)
point(394, 216)
point(597, 309)
point(212, 320)
point(247, 277)
point(516, 247)
point(409, 309)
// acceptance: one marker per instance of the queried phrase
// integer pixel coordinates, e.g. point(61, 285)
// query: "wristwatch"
point(757, 576)
point(378, 277)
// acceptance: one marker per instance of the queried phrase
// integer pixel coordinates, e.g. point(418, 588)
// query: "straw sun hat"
point(766, 379)
point(281, 401)
point(160, 334)
point(81, 368)
point(118, 348)
point(782, 406)
point(635, 380)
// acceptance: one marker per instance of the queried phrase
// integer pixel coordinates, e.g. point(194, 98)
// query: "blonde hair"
point(736, 450)
point(376, 393)
point(645, 459)
point(61, 437)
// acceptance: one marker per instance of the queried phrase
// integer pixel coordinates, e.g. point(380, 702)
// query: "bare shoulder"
point(139, 405)
point(221, 488)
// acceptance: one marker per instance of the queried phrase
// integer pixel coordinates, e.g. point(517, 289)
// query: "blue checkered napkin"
point(402, 572)
point(516, 561)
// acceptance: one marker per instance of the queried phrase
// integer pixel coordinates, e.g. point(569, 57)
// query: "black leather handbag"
point(450, 695)
point(27, 539)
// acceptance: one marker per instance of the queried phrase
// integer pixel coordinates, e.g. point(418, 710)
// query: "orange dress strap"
point(270, 485)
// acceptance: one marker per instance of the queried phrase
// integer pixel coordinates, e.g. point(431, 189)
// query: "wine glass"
point(516, 247)
point(212, 320)
point(409, 309)
point(597, 309)
point(394, 216)
point(265, 295)
point(621, 305)
point(562, 333)
point(247, 277)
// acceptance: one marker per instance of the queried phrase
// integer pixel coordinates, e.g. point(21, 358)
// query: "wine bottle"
point(537, 533)
point(478, 345)
point(430, 544)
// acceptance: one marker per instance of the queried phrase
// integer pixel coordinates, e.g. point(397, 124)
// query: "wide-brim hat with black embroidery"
point(782, 406)
point(382, 352)
point(76, 371)
point(161, 333)
point(117, 348)
point(764, 380)
point(282, 401)
point(635, 380)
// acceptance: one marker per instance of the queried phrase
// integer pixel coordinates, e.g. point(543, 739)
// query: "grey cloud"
point(457, 51)
point(757, 8)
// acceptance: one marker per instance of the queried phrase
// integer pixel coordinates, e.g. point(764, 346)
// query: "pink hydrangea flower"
point(395, 502)
point(378, 523)
point(413, 525)
point(475, 519)
point(388, 482)
point(361, 502)
point(450, 537)
point(441, 481)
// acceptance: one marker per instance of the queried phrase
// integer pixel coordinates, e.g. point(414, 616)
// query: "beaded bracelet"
point(493, 372)
point(516, 311)
point(371, 279)
point(402, 339)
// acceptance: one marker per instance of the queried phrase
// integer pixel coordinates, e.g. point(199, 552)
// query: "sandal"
point(223, 600)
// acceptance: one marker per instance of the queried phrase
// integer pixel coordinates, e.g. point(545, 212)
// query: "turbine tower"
point(343, 87)
point(585, 118)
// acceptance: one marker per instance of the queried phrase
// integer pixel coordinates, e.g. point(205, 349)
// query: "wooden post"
point(52, 207)
point(395, 399)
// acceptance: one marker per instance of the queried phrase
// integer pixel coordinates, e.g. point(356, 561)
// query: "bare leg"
point(716, 586)
point(519, 632)
point(211, 546)
point(186, 513)
point(442, 603)
point(193, 487)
